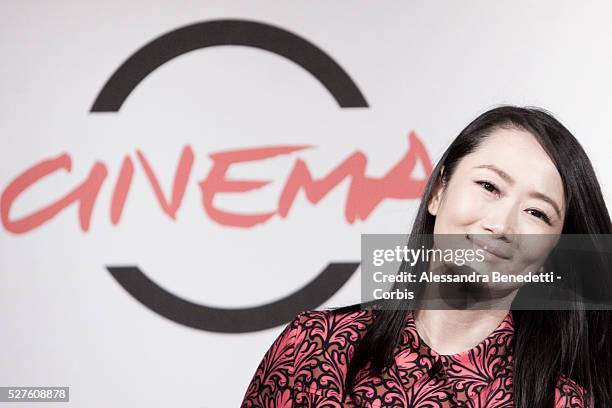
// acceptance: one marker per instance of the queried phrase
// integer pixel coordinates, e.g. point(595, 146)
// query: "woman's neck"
point(452, 318)
point(455, 331)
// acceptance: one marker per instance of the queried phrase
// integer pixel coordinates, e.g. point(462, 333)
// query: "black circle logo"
point(209, 34)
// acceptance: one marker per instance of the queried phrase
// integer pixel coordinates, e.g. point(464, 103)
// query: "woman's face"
point(507, 195)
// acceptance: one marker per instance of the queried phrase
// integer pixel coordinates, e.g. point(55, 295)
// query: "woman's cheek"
point(461, 209)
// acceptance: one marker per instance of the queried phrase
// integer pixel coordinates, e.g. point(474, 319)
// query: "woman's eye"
point(539, 214)
point(490, 187)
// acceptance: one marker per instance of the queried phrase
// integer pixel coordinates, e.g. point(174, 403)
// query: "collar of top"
point(469, 371)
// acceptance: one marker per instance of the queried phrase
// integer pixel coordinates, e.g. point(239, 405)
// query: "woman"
point(511, 171)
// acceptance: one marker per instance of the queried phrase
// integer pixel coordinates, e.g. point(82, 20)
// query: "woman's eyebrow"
point(510, 180)
point(544, 197)
point(497, 170)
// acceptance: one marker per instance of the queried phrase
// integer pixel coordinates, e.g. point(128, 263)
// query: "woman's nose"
point(500, 221)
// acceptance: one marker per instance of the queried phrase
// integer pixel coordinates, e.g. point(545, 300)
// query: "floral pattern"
point(306, 367)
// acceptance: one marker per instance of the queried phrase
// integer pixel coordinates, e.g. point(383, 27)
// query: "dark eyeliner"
point(483, 182)
point(544, 217)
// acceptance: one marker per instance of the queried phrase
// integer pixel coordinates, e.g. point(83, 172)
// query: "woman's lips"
point(495, 249)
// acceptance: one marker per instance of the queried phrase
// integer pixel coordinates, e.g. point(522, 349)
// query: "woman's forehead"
point(518, 154)
point(515, 149)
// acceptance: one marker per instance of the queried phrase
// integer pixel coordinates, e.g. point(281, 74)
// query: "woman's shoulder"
point(310, 356)
point(569, 393)
point(342, 318)
point(324, 342)
point(332, 330)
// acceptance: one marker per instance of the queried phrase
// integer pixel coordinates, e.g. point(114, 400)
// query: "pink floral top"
point(307, 363)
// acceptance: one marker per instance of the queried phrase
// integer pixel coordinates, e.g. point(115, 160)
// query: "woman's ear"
point(436, 195)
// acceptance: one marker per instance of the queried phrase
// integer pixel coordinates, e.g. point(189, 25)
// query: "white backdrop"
point(427, 67)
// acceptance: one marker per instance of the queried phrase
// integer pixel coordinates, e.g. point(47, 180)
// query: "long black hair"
point(547, 343)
